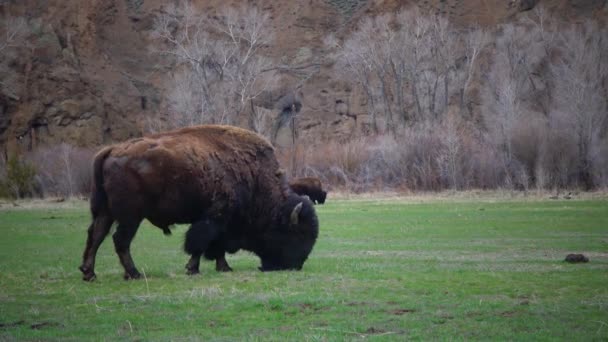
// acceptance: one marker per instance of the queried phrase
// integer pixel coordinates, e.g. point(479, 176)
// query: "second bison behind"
point(309, 186)
point(223, 180)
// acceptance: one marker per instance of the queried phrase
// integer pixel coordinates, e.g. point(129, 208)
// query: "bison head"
point(287, 247)
point(322, 197)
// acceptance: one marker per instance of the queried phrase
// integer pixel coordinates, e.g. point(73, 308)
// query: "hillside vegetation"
point(363, 94)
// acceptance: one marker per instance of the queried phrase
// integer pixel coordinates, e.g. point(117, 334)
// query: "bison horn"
point(295, 214)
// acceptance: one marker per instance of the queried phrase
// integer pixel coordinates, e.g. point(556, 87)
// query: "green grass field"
point(382, 270)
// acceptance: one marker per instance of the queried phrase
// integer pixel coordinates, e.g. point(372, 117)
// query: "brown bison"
point(309, 186)
point(223, 180)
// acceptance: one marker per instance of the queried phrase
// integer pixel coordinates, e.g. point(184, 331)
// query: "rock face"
point(88, 75)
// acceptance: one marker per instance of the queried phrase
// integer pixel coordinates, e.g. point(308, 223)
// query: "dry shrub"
point(418, 159)
point(422, 149)
point(17, 179)
point(486, 167)
point(600, 169)
point(557, 160)
point(2, 168)
point(63, 170)
point(527, 140)
point(334, 163)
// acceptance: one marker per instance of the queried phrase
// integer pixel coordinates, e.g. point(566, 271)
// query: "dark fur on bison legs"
point(122, 243)
point(199, 240)
point(97, 232)
point(221, 265)
point(193, 264)
point(216, 251)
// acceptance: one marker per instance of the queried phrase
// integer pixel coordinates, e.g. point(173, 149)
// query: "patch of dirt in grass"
point(473, 314)
point(310, 307)
point(400, 312)
point(442, 318)
point(356, 303)
point(33, 326)
point(372, 331)
point(508, 313)
point(11, 325)
point(40, 325)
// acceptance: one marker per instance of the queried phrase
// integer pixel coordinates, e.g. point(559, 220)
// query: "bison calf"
point(309, 186)
point(223, 180)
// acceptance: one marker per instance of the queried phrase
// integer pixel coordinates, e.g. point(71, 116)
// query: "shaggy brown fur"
point(309, 186)
point(224, 180)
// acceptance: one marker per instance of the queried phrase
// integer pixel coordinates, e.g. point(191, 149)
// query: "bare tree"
point(579, 102)
point(508, 88)
point(66, 152)
point(13, 34)
point(219, 67)
point(62, 170)
point(366, 56)
point(404, 63)
point(449, 159)
point(474, 42)
point(444, 42)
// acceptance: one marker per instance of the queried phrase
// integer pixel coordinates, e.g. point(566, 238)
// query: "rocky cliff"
point(86, 72)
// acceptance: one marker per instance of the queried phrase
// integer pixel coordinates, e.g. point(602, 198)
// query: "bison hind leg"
point(125, 232)
point(198, 238)
point(97, 232)
point(217, 252)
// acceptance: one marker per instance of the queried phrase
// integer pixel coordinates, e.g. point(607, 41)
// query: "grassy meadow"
point(382, 269)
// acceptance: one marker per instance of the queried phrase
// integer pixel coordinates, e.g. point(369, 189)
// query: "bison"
point(224, 181)
point(309, 186)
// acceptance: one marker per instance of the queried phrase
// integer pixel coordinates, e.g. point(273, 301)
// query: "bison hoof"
point(225, 268)
point(89, 276)
point(132, 275)
point(87, 273)
point(192, 272)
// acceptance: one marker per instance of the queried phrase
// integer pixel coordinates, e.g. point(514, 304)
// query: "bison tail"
point(99, 198)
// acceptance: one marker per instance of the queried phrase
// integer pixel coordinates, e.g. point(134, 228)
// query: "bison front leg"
point(122, 243)
point(98, 230)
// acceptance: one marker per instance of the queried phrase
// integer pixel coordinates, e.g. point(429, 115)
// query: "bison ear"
point(294, 218)
point(306, 197)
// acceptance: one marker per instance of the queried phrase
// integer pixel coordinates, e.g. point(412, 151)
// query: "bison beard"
point(223, 180)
